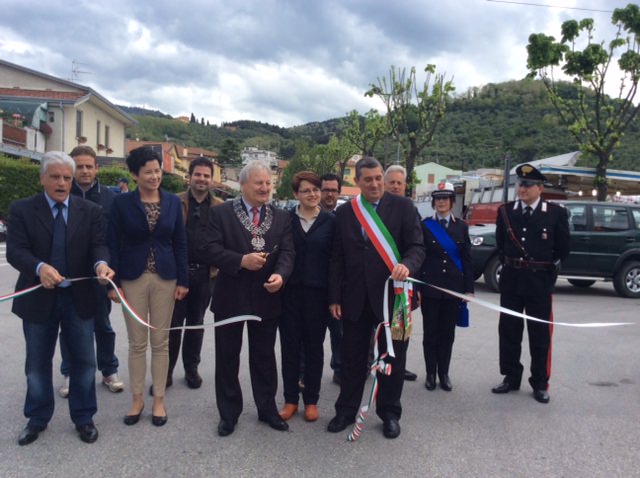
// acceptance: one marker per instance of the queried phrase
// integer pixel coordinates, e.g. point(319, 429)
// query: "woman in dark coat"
point(303, 323)
point(448, 265)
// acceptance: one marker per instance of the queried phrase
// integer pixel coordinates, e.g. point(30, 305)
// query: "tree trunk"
point(411, 160)
point(601, 176)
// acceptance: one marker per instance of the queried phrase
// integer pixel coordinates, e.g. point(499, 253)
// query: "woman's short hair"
point(56, 157)
point(140, 156)
point(310, 176)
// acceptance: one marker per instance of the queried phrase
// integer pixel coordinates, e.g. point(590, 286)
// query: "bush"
point(18, 179)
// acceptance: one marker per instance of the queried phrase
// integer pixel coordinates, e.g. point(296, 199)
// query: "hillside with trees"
point(480, 126)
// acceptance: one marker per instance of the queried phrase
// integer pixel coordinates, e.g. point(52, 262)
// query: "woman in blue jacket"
point(148, 247)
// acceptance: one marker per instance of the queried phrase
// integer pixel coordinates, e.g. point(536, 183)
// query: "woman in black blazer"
point(304, 319)
point(148, 247)
point(447, 264)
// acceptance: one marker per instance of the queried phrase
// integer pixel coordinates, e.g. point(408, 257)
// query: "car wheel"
point(581, 283)
point(627, 280)
point(492, 274)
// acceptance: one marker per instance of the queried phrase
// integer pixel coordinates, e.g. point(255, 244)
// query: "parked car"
point(605, 246)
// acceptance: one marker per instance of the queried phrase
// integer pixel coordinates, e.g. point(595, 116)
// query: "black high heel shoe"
point(133, 419)
point(159, 421)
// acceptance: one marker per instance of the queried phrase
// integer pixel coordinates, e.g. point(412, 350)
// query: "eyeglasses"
point(330, 191)
point(307, 192)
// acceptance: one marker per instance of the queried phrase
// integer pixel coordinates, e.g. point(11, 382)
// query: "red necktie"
point(256, 216)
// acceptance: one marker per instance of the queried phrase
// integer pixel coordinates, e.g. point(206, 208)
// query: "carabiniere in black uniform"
point(530, 244)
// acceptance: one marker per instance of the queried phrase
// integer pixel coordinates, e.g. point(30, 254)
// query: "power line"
point(550, 6)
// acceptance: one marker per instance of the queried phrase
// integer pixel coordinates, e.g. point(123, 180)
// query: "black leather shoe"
point(88, 433)
point(391, 428)
point(159, 421)
point(29, 435)
point(275, 422)
point(132, 419)
point(225, 428)
point(410, 376)
point(339, 423)
point(541, 396)
point(505, 387)
point(430, 383)
point(445, 383)
point(193, 378)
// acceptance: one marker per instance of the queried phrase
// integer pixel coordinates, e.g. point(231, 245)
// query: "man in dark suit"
point(358, 275)
point(532, 237)
point(52, 237)
point(250, 242)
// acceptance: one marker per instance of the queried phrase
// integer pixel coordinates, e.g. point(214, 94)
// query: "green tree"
point(229, 152)
point(597, 121)
point(364, 133)
point(413, 109)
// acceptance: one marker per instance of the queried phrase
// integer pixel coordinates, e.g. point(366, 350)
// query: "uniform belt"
point(518, 263)
point(196, 267)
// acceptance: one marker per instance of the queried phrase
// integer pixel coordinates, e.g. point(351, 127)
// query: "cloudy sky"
point(285, 62)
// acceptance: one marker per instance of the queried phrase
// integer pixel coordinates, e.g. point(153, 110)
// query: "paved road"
point(590, 428)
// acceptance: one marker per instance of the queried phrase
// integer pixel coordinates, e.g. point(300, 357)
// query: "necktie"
point(256, 216)
point(443, 223)
point(58, 244)
point(527, 211)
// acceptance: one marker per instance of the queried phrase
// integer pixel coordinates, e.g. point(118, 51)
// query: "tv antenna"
point(76, 70)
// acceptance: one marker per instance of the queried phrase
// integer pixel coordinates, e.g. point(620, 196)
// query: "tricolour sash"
point(385, 245)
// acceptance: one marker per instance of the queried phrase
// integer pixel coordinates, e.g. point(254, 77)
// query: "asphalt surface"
point(590, 428)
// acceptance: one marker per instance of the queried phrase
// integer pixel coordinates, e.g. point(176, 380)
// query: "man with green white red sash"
point(377, 235)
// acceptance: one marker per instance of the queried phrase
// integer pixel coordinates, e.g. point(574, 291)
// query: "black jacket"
point(313, 250)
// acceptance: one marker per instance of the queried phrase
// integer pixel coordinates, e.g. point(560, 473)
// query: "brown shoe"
point(310, 413)
point(288, 411)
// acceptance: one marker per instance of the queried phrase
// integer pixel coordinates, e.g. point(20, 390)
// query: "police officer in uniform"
point(532, 237)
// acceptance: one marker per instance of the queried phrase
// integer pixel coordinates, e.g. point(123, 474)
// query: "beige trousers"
point(153, 299)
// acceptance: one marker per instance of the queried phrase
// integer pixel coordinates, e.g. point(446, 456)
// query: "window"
point(52, 117)
point(78, 123)
point(636, 217)
point(431, 179)
point(577, 217)
point(98, 132)
point(106, 136)
point(610, 218)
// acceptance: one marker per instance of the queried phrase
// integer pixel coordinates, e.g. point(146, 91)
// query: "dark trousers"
point(510, 330)
point(355, 352)
point(41, 341)
point(439, 318)
point(105, 338)
point(303, 324)
point(190, 311)
point(262, 368)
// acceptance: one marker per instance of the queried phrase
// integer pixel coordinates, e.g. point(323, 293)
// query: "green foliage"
point(18, 179)
point(413, 109)
point(173, 183)
point(109, 176)
point(596, 121)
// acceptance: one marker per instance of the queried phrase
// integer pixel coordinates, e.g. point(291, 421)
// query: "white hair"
point(56, 157)
point(250, 167)
point(395, 168)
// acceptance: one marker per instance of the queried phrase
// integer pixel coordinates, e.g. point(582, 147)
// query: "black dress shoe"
point(29, 435)
point(159, 421)
point(445, 383)
point(226, 428)
point(275, 422)
point(193, 378)
point(88, 433)
point(391, 428)
point(505, 387)
point(430, 383)
point(339, 423)
point(541, 396)
point(132, 419)
point(410, 376)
